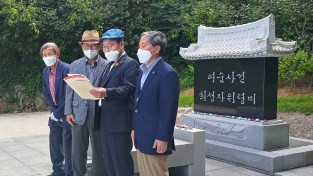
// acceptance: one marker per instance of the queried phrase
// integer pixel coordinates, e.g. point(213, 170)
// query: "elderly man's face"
point(90, 46)
point(145, 44)
point(110, 45)
point(49, 52)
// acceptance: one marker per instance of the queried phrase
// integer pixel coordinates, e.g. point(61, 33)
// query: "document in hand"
point(81, 85)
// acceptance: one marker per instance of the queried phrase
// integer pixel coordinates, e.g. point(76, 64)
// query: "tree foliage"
point(27, 24)
point(293, 17)
point(293, 22)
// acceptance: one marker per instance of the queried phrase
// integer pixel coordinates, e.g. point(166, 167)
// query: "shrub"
point(294, 68)
point(186, 76)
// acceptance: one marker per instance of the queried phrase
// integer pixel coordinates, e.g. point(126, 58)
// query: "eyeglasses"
point(109, 46)
point(90, 46)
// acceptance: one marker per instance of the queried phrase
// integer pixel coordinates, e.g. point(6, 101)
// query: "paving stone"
point(11, 164)
point(33, 139)
point(29, 150)
point(8, 143)
point(287, 174)
point(254, 173)
point(38, 145)
point(5, 140)
point(36, 160)
point(24, 154)
point(44, 151)
point(225, 172)
point(211, 164)
point(1, 151)
point(246, 171)
point(303, 171)
point(42, 169)
point(16, 148)
point(5, 157)
point(21, 171)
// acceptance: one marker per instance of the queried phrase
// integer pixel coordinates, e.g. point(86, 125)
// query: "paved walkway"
point(24, 150)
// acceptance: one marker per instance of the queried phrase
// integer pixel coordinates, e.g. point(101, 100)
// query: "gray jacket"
point(73, 103)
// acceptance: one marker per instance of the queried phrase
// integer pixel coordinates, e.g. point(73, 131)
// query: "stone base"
point(187, 160)
point(298, 154)
point(265, 147)
point(257, 135)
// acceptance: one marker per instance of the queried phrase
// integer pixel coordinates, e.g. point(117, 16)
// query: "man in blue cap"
point(116, 91)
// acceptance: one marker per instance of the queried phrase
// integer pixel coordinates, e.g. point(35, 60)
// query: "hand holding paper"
point(81, 85)
point(98, 92)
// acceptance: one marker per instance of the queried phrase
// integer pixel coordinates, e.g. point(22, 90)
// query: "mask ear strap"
point(153, 48)
point(120, 46)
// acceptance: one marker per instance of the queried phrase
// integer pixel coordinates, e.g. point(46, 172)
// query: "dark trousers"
point(80, 143)
point(67, 146)
point(56, 148)
point(116, 148)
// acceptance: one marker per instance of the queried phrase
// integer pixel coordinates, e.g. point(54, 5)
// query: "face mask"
point(90, 54)
point(143, 55)
point(112, 55)
point(49, 60)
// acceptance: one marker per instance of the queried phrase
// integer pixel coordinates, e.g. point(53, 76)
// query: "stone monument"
point(235, 93)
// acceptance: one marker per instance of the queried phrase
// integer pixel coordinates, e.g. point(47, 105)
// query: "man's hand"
point(160, 146)
point(52, 117)
point(70, 119)
point(98, 92)
point(132, 135)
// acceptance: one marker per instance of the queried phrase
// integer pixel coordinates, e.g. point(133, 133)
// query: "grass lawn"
point(297, 103)
point(185, 100)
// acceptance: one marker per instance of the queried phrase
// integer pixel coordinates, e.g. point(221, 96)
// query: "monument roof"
point(256, 39)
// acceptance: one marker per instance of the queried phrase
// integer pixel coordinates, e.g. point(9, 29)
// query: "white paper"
point(81, 85)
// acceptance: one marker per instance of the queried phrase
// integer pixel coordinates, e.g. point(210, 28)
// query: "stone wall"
point(14, 99)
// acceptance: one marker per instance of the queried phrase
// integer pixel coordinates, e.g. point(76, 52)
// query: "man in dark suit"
point(117, 90)
point(80, 113)
point(60, 137)
point(157, 92)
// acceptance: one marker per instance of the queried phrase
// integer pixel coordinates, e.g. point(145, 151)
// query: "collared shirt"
point(146, 70)
point(52, 74)
point(90, 71)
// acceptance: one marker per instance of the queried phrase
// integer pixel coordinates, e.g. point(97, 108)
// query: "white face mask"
point(49, 60)
point(90, 54)
point(112, 55)
point(143, 55)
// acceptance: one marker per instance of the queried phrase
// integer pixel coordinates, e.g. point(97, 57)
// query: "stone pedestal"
point(257, 135)
point(262, 146)
point(298, 154)
point(187, 160)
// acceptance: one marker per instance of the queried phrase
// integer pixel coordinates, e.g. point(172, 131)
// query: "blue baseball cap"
point(113, 34)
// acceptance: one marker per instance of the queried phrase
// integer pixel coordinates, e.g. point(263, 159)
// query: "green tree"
point(64, 21)
point(292, 68)
point(27, 24)
point(18, 32)
point(137, 16)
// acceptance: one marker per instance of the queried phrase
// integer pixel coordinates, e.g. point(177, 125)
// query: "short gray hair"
point(156, 38)
point(47, 45)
